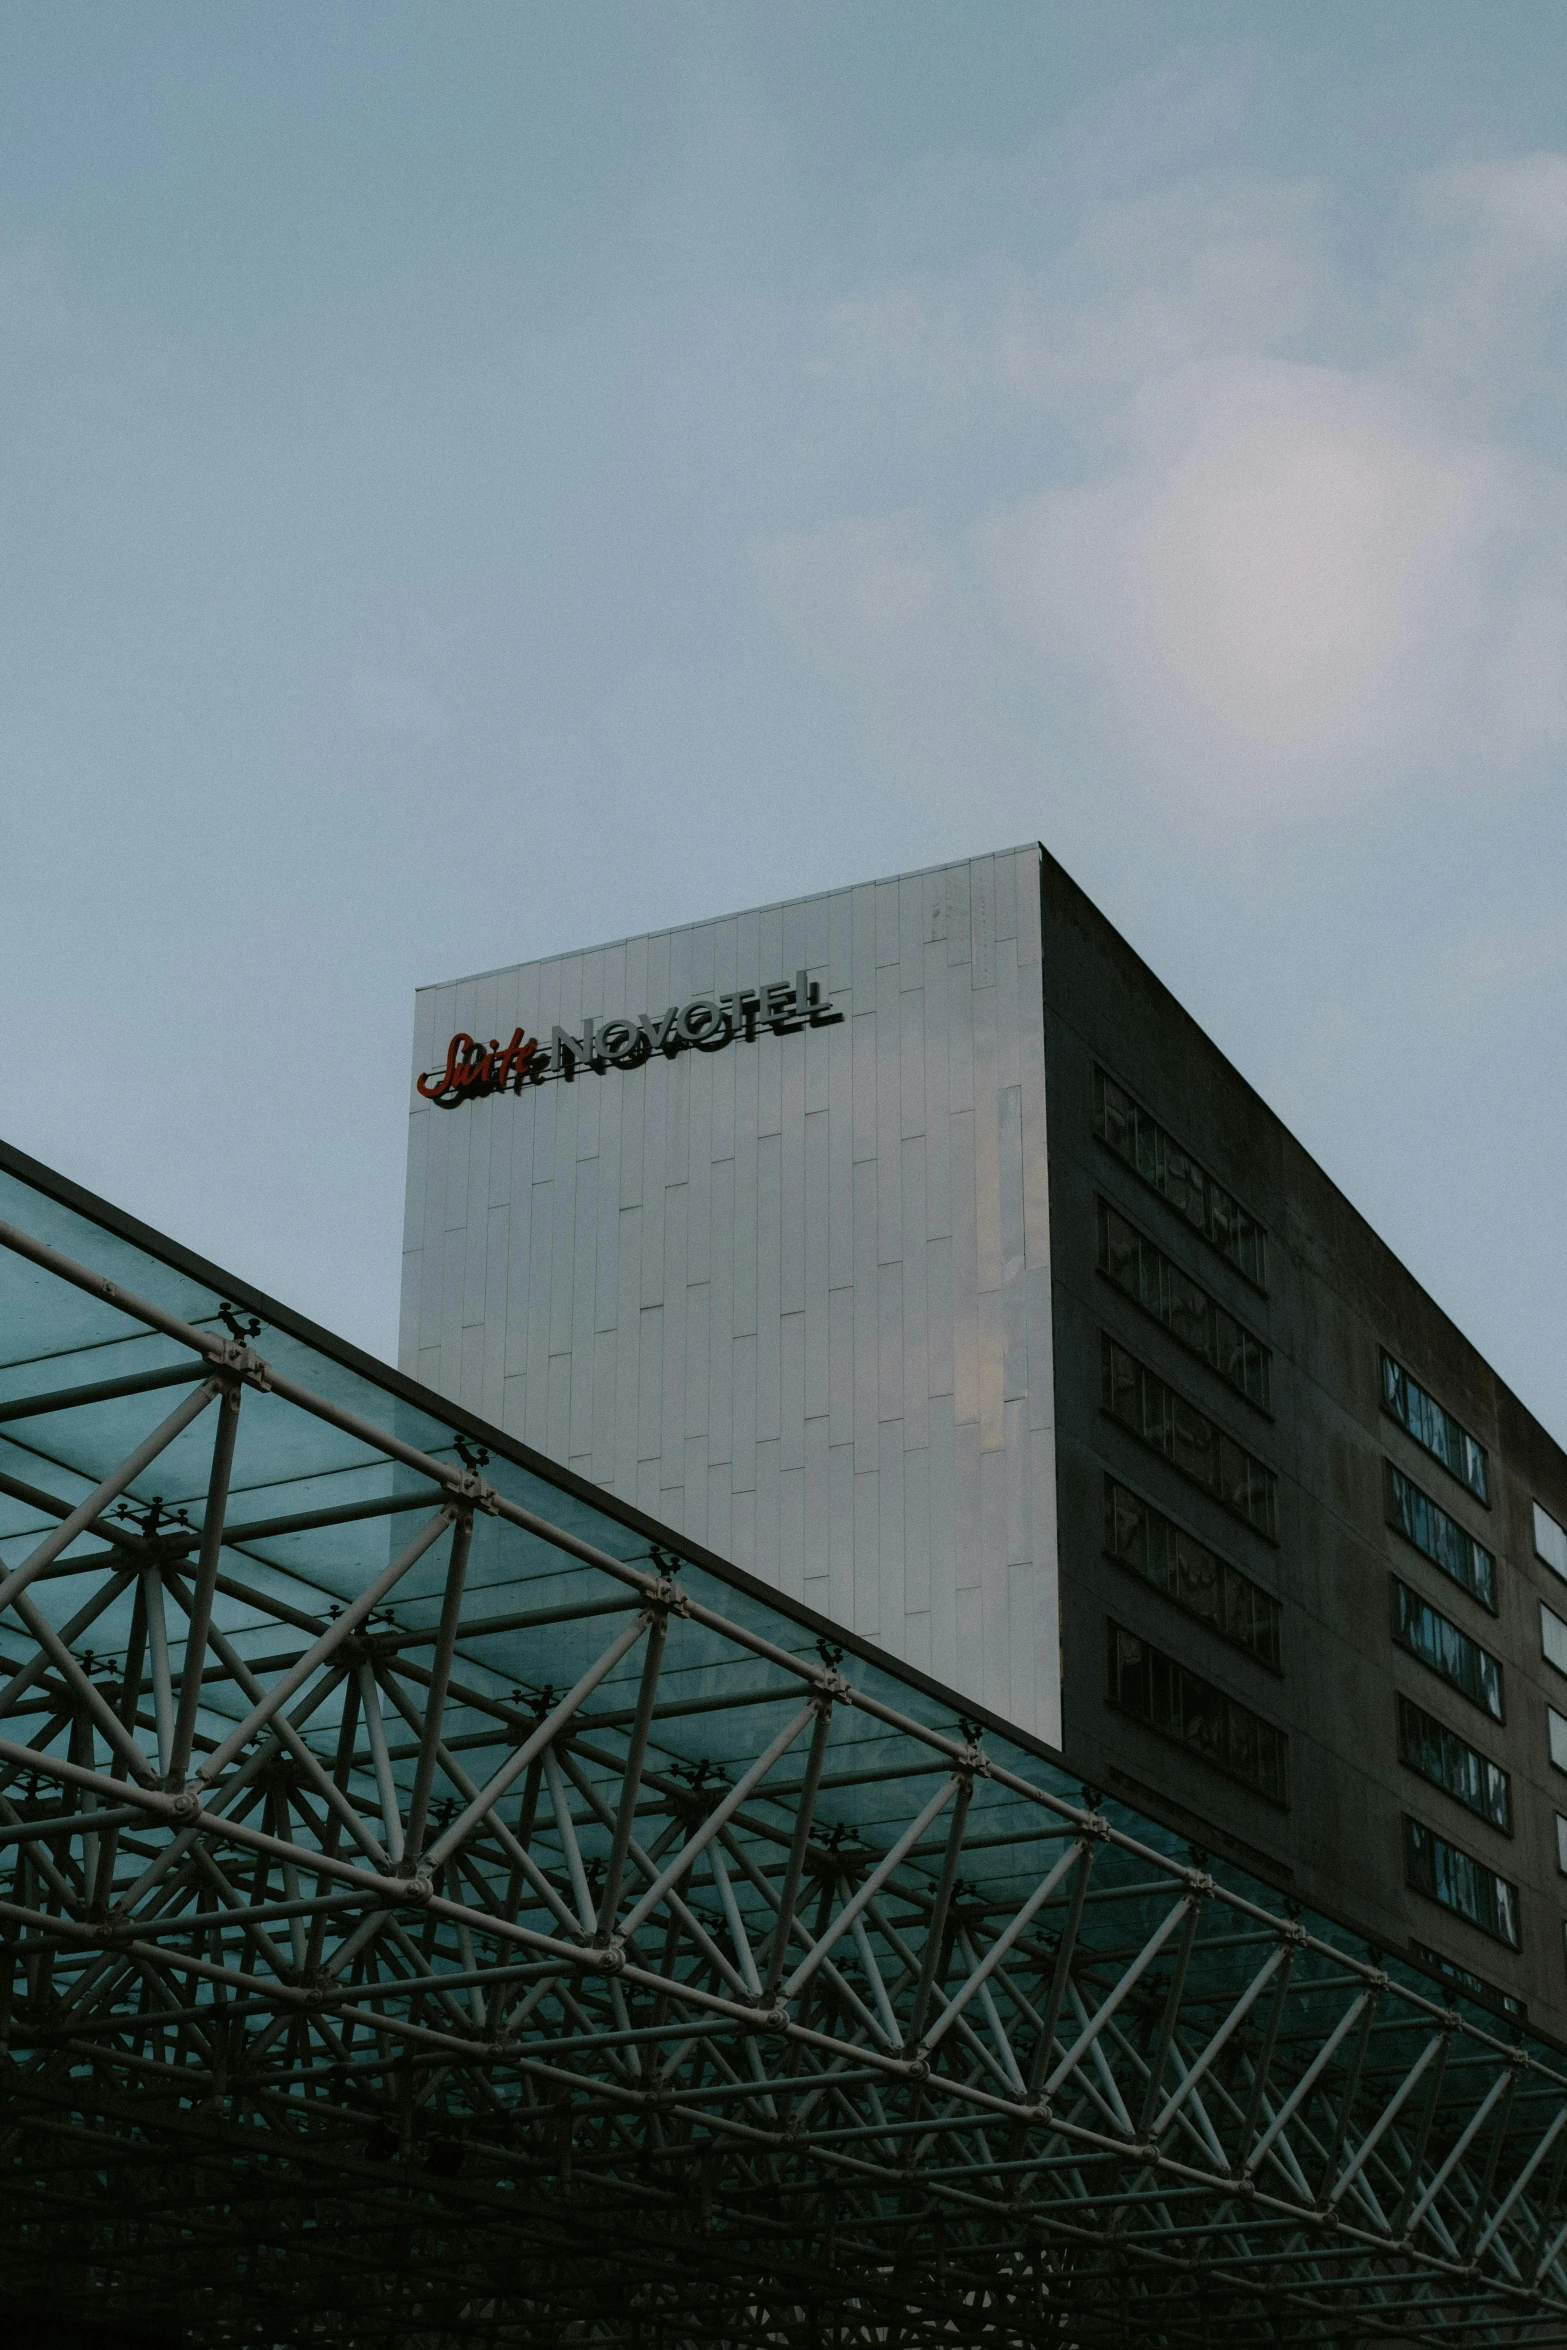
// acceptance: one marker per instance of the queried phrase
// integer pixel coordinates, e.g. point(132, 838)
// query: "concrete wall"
point(792, 1297)
point(1336, 1295)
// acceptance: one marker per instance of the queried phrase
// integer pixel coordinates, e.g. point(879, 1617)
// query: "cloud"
point(1281, 591)
point(853, 581)
point(1291, 542)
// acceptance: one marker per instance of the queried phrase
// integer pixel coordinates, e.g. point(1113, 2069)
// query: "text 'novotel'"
point(705, 1025)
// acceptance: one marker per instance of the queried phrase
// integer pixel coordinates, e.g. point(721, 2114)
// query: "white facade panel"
point(789, 1294)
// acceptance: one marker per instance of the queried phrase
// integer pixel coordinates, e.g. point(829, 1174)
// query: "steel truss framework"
point(432, 1906)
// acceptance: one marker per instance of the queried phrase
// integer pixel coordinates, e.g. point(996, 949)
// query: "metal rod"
point(1060, 1974)
point(997, 1952)
point(1263, 2065)
point(381, 1761)
point(1108, 2006)
point(1219, 2041)
point(1488, 2174)
point(200, 1617)
point(331, 1639)
point(489, 1795)
point(440, 1677)
point(158, 1658)
point(631, 1783)
point(103, 1598)
point(62, 1536)
point(868, 1891)
point(70, 1399)
point(1351, 2091)
point(1309, 2078)
point(799, 1844)
point(110, 1727)
point(1384, 2122)
point(714, 1821)
point(1442, 2042)
point(934, 1961)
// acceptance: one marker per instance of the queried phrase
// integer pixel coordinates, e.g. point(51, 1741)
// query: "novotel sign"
point(705, 1025)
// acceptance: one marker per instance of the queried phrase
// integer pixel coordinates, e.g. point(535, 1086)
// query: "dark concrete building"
point(1311, 1550)
point(979, 1303)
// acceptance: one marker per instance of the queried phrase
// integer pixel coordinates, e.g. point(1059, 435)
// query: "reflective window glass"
point(1438, 1642)
point(1442, 1540)
point(1460, 1883)
point(1448, 1761)
point(1199, 1581)
point(1130, 1259)
point(1434, 1428)
point(1181, 1705)
point(1138, 1138)
point(1196, 1445)
point(1550, 1541)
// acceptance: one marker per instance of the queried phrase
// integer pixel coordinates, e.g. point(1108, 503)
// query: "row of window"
point(1425, 1633)
point(1137, 1137)
point(1180, 1704)
point(1188, 1439)
point(1449, 1762)
point(1460, 1883)
point(1195, 1577)
point(1145, 1683)
point(1550, 1546)
point(1485, 1992)
point(1440, 1538)
point(1434, 1428)
point(1131, 1260)
point(1445, 1874)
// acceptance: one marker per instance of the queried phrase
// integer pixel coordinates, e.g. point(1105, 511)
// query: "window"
point(1182, 1706)
point(1550, 1541)
point(1553, 1639)
point(1561, 1844)
point(1434, 1427)
point(1133, 1263)
point(1460, 1883)
point(1428, 1635)
point(1476, 1984)
point(1141, 1401)
point(1205, 1585)
point(1443, 1541)
point(1440, 1755)
point(1556, 1729)
point(1175, 1175)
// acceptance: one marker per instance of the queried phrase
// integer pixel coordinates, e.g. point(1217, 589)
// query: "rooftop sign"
point(705, 1025)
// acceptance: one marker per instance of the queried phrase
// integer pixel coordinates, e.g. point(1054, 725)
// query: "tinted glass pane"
point(1550, 1541)
point(1142, 1402)
point(1448, 1761)
point(1138, 1138)
point(1460, 1883)
point(1182, 1705)
point(1440, 1537)
point(1434, 1427)
point(1139, 1268)
point(1553, 1638)
point(1175, 1562)
point(1439, 1643)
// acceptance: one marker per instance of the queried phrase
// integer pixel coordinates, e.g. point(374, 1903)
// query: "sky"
point(480, 480)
